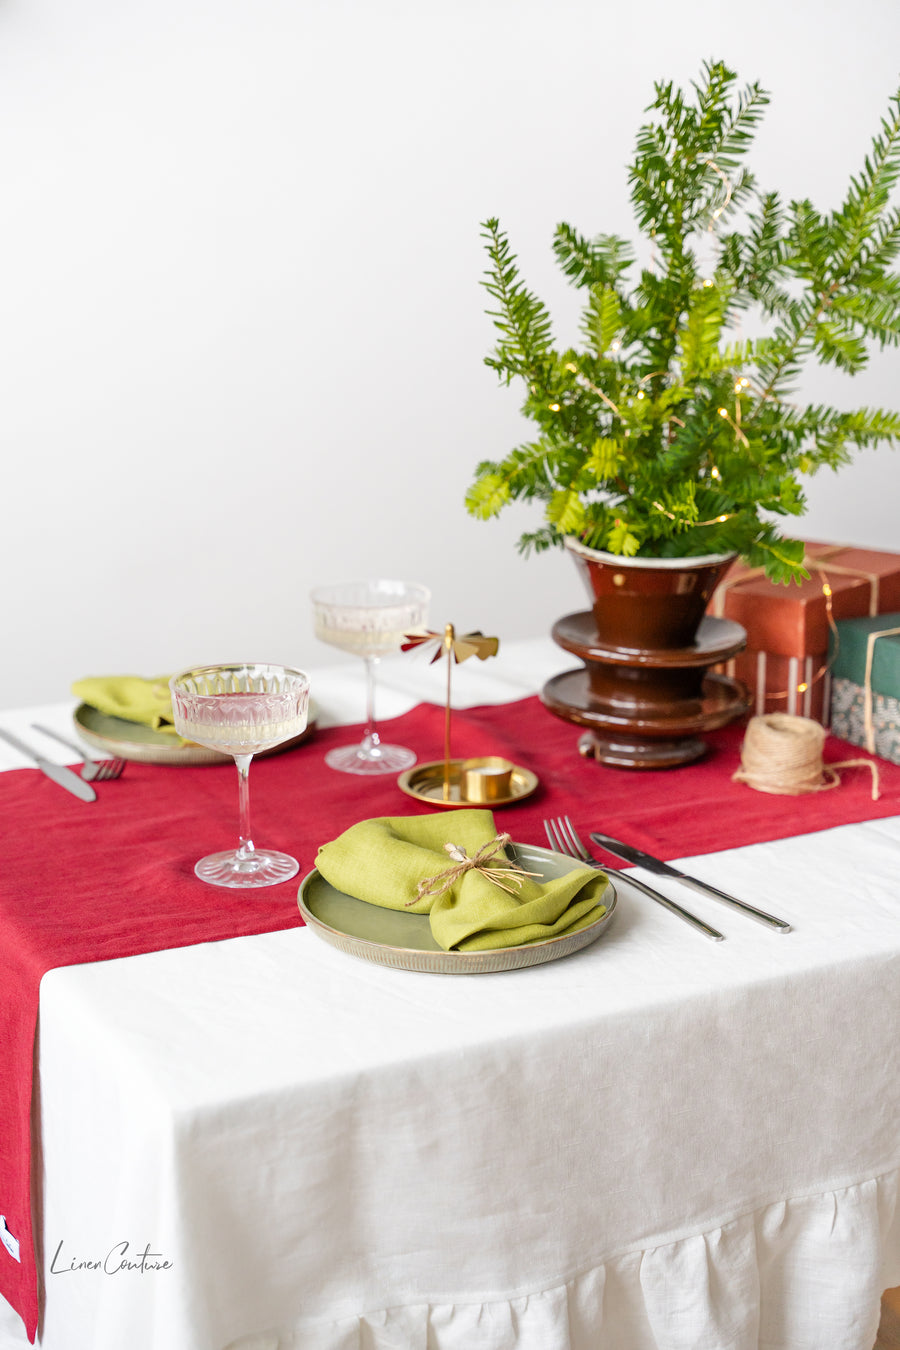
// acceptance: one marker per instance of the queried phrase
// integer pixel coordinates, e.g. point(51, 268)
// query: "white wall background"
point(241, 326)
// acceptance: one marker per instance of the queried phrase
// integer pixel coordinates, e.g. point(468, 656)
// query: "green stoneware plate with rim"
point(132, 740)
point(391, 937)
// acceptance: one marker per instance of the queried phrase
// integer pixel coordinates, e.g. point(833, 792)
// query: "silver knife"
point(664, 869)
point(664, 900)
point(58, 772)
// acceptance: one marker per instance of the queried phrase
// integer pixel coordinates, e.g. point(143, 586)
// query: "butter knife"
point(664, 869)
point(58, 772)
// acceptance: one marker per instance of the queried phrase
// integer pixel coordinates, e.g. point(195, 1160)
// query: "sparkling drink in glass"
point(242, 709)
point(369, 619)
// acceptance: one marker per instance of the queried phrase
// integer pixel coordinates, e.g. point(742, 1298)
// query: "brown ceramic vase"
point(645, 693)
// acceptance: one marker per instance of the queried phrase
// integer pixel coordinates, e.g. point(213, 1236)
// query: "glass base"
point(362, 759)
point(263, 868)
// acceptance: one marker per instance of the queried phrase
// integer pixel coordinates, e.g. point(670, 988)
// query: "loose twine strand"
point(509, 872)
point(783, 754)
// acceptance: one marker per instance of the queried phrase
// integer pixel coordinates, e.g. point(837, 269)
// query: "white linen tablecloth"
point(660, 1143)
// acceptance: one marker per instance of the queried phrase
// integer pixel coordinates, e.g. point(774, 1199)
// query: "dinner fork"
point(92, 770)
point(564, 839)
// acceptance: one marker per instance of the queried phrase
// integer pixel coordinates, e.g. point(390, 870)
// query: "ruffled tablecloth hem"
point(758, 1282)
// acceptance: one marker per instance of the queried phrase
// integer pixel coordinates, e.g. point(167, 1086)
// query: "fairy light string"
point(742, 384)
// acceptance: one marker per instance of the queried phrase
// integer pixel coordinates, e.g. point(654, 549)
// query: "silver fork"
point(564, 839)
point(92, 770)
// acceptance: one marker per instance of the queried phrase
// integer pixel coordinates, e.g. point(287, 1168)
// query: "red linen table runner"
point(115, 878)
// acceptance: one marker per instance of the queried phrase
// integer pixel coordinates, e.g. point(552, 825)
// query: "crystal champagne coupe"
point(369, 619)
point(242, 709)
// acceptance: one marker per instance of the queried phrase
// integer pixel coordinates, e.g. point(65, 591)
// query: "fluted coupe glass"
point(369, 618)
point(242, 709)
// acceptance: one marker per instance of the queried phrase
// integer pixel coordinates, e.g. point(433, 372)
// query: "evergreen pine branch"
point(602, 318)
point(876, 315)
point(538, 541)
point(596, 262)
point(665, 435)
point(879, 250)
point(522, 319)
point(869, 193)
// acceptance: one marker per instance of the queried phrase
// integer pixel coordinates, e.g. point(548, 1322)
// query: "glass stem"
point(245, 853)
point(371, 741)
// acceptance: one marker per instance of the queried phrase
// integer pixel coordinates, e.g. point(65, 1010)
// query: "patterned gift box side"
point(848, 718)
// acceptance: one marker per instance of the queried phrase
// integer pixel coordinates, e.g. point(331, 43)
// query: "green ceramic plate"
point(390, 937)
point(130, 740)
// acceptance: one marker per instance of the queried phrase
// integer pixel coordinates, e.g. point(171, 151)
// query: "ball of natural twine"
point(783, 754)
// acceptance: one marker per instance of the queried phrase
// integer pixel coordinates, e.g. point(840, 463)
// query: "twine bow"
point(436, 886)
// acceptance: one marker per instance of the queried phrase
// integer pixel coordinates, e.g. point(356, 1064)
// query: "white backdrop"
point(242, 328)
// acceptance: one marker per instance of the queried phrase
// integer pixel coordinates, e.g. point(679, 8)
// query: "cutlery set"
point(99, 770)
point(78, 784)
point(564, 838)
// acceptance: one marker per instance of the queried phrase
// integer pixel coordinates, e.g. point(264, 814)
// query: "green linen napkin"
point(130, 697)
point(382, 861)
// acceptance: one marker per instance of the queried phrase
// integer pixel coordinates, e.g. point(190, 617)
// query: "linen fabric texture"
point(659, 1143)
point(131, 697)
point(120, 881)
point(383, 861)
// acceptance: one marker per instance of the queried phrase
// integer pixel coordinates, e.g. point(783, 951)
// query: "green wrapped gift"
point(402, 862)
point(864, 661)
point(849, 654)
point(130, 697)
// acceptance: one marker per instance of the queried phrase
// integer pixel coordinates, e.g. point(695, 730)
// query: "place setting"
point(446, 891)
point(450, 895)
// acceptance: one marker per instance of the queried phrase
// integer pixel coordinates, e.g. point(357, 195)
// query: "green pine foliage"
point(667, 434)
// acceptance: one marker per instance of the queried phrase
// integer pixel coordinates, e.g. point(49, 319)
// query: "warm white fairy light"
point(696, 524)
point(714, 217)
point(595, 389)
point(724, 413)
point(711, 164)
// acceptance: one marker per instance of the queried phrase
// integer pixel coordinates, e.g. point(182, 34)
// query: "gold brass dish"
point(426, 783)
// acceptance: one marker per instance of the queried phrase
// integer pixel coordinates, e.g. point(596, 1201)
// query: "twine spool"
point(783, 754)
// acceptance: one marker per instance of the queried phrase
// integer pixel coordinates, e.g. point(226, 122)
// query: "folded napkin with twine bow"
point(454, 868)
point(130, 697)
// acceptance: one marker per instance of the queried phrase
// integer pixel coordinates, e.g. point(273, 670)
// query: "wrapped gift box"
point(865, 689)
point(800, 685)
point(785, 665)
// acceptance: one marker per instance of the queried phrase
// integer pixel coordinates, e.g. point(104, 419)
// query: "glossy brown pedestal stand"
point(646, 709)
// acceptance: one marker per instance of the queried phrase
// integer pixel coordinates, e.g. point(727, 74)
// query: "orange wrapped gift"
point(785, 664)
